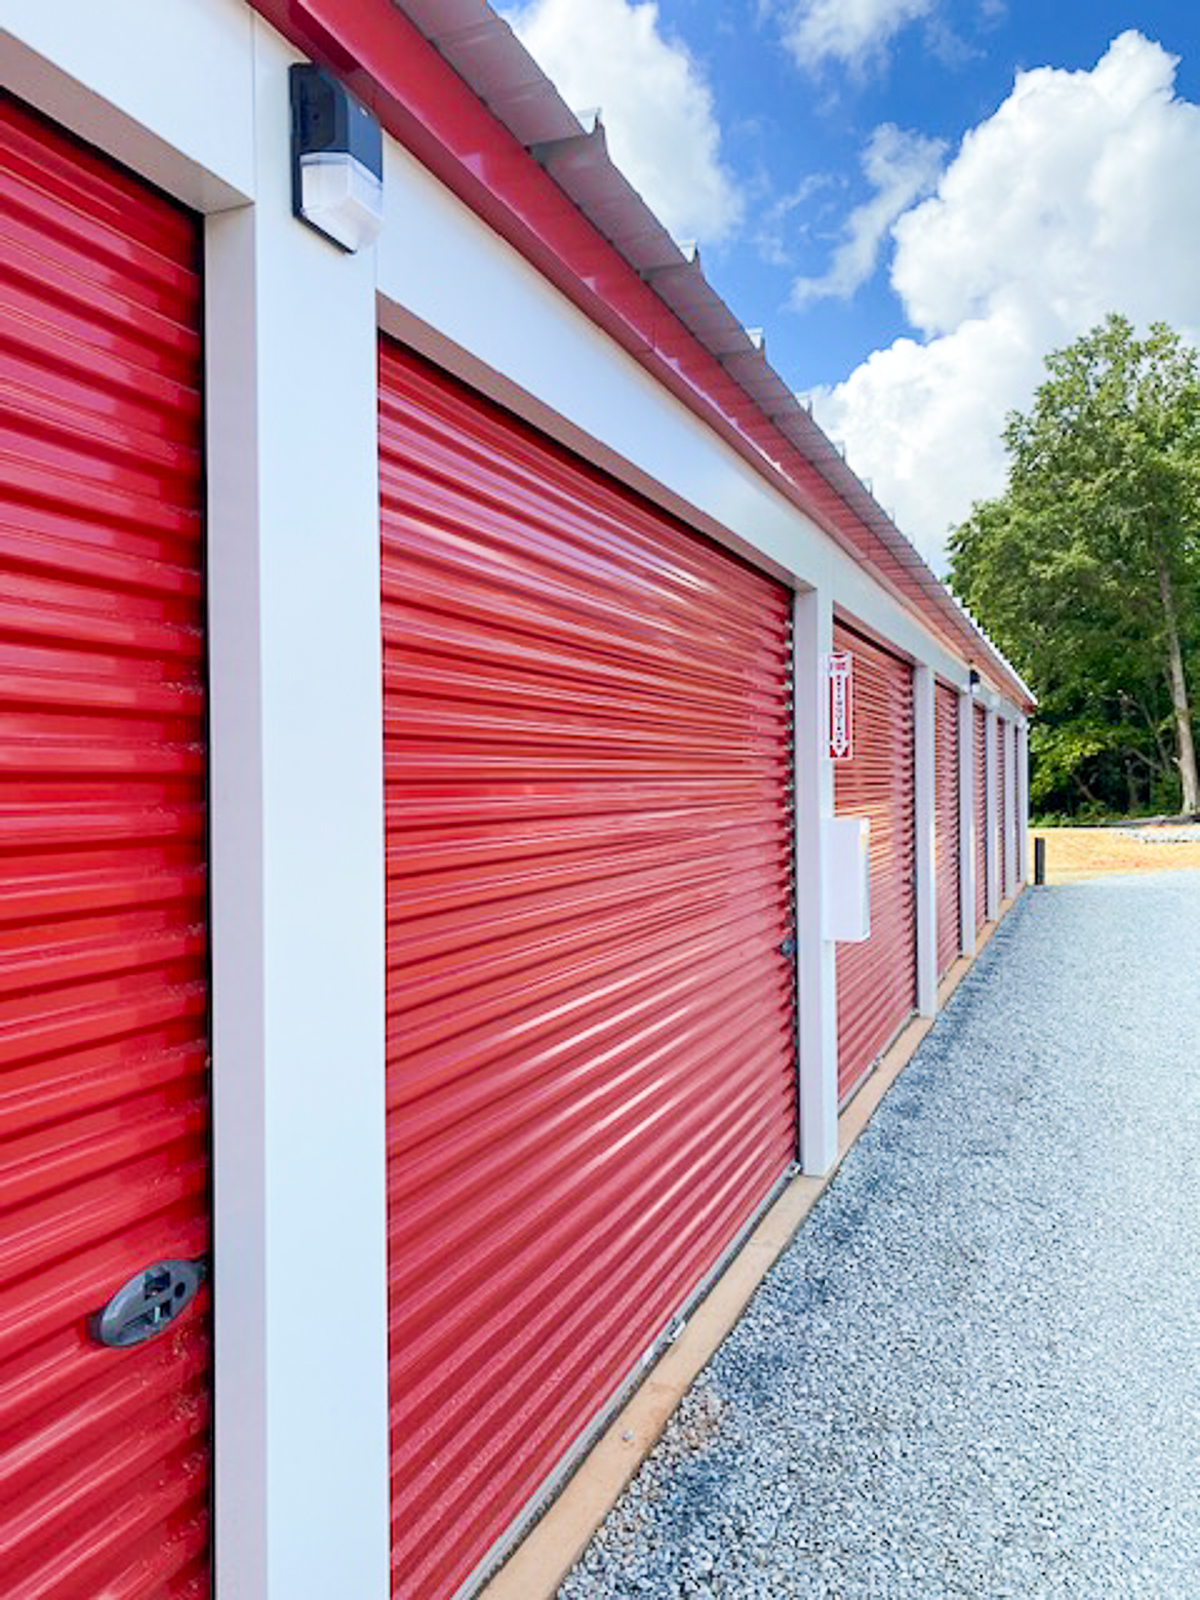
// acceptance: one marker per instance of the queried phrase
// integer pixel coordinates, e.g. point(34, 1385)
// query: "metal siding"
point(947, 872)
point(104, 1479)
point(591, 1065)
point(877, 979)
point(981, 837)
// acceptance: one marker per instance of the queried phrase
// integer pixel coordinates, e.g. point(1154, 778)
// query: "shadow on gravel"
point(974, 1370)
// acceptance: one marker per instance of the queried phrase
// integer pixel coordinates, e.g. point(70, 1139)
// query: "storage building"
point(445, 679)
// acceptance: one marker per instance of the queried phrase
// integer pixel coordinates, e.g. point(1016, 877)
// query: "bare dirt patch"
point(1073, 854)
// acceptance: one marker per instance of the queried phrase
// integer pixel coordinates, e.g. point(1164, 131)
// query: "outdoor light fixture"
point(973, 680)
point(337, 160)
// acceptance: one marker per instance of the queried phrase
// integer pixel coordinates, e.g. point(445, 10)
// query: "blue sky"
point(916, 199)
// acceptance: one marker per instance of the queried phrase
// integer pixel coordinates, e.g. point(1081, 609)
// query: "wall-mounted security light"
point(337, 160)
point(973, 681)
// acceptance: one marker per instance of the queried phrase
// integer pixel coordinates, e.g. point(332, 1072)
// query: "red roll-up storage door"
point(104, 1462)
point(982, 845)
point(1002, 800)
point(947, 866)
point(590, 1019)
point(877, 980)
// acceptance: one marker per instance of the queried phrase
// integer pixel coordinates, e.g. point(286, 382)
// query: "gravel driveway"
point(976, 1370)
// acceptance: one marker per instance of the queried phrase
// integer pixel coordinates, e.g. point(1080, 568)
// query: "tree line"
point(1086, 572)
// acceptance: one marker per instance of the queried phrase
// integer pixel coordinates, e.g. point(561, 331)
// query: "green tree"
point(1086, 570)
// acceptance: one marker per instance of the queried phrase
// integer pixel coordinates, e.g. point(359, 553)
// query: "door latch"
point(148, 1303)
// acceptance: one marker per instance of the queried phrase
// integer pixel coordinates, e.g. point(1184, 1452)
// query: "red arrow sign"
point(840, 673)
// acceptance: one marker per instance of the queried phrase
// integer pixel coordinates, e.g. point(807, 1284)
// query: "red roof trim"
point(427, 106)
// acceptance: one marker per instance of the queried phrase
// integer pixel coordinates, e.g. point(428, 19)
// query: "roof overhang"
point(452, 83)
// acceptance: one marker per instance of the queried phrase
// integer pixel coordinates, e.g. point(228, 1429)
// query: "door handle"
point(151, 1301)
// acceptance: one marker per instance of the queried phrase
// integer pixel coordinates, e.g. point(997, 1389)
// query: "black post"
point(1039, 861)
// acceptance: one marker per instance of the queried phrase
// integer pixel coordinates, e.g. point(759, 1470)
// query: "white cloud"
point(854, 32)
point(901, 167)
point(657, 109)
point(1075, 199)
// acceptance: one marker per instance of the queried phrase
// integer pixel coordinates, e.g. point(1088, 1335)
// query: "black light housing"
point(337, 160)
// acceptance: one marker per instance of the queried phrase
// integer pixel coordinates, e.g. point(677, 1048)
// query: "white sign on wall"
point(839, 673)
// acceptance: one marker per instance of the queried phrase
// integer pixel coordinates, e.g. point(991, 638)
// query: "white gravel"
point(976, 1370)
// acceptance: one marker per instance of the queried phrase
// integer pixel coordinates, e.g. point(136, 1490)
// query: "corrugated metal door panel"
point(877, 980)
point(947, 867)
point(104, 1471)
point(1002, 800)
point(590, 1023)
point(982, 846)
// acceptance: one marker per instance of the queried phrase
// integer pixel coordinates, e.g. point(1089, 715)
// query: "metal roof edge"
point(577, 158)
point(370, 44)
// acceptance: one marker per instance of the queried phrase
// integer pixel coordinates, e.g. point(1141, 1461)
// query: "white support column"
point(1001, 819)
point(926, 809)
point(1010, 807)
point(1023, 803)
point(301, 1426)
point(992, 817)
point(816, 978)
point(966, 820)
